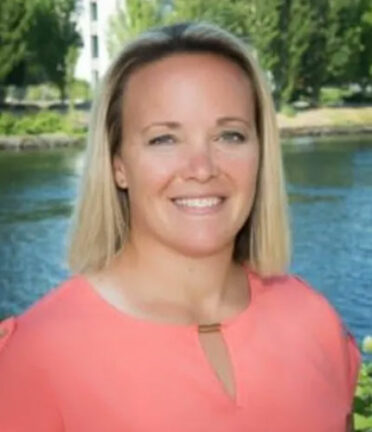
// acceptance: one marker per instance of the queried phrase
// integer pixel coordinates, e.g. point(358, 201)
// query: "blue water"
point(330, 187)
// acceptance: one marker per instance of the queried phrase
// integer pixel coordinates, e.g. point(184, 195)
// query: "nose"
point(201, 164)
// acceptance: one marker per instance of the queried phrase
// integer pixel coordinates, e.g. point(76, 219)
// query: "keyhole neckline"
point(108, 308)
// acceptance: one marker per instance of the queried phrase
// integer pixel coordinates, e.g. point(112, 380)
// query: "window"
point(95, 78)
point(93, 11)
point(94, 46)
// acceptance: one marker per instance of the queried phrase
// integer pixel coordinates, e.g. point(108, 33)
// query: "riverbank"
point(312, 122)
point(40, 142)
point(326, 121)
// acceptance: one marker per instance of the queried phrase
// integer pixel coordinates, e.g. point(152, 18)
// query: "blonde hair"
point(100, 223)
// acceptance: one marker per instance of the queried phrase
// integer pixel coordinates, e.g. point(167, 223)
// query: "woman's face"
point(190, 153)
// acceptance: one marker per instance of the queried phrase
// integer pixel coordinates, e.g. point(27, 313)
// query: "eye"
point(233, 136)
point(163, 139)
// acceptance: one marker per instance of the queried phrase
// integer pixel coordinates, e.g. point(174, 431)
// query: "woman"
point(180, 316)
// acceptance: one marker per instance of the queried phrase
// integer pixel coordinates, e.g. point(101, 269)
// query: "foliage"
point(363, 399)
point(15, 22)
point(57, 53)
point(78, 90)
point(343, 47)
point(44, 122)
point(38, 92)
point(38, 42)
point(332, 96)
point(304, 44)
point(288, 110)
point(131, 18)
point(365, 58)
point(231, 15)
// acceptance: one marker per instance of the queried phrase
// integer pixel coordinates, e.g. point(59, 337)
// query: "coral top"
point(74, 363)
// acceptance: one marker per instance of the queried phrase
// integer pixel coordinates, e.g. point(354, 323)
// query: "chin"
point(203, 249)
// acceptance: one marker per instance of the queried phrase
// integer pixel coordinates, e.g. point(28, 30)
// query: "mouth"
point(199, 205)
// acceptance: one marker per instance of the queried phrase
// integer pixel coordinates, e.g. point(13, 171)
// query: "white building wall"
point(91, 65)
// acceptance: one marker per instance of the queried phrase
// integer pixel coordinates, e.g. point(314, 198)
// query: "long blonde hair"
point(100, 223)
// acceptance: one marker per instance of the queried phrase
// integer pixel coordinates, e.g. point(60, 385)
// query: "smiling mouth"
point(204, 204)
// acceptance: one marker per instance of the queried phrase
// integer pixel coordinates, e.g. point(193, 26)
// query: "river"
point(330, 185)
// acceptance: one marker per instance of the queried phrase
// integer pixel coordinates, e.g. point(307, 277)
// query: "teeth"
point(198, 202)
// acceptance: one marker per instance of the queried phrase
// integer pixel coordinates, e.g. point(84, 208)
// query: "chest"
point(213, 381)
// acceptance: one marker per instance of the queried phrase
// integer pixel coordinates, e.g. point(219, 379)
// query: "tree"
point(71, 59)
point(343, 36)
point(52, 36)
point(15, 21)
point(364, 70)
point(131, 18)
point(302, 44)
point(229, 14)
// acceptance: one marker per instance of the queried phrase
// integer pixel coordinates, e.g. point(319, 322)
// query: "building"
point(93, 26)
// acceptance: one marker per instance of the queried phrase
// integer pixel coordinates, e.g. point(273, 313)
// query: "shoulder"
point(25, 333)
point(292, 299)
point(30, 347)
point(291, 292)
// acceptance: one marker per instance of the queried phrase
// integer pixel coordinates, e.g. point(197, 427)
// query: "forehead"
point(177, 79)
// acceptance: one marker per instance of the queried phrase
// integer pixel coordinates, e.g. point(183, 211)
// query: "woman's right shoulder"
point(32, 347)
point(22, 334)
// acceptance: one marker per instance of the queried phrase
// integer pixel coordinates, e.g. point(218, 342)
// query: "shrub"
point(363, 399)
point(332, 96)
point(43, 122)
point(288, 111)
point(7, 124)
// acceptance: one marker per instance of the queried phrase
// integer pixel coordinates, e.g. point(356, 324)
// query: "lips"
point(205, 202)
point(199, 205)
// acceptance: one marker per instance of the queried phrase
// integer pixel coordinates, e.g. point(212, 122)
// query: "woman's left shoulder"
point(327, 327)
point(296, 293)
point(310, 303)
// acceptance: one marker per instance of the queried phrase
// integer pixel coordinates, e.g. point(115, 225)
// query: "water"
point(330, 186)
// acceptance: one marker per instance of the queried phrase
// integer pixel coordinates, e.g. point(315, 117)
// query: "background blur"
point(317, 55)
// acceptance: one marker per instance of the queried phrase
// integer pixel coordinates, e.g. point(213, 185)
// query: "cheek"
point(243, 166)
point(148, 174)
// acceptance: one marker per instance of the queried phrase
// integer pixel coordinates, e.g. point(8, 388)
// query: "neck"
point(197, 289)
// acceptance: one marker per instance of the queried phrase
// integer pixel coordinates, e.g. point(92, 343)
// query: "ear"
point(119, 172)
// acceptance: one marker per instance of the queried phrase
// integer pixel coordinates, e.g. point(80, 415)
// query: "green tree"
point(314, 59)
point(15, 21)
point(302, 44)
point(364, 70)
point(231, 15)
point(52, 37)
point(71, 59)
point(131, 18)
point(343, 41)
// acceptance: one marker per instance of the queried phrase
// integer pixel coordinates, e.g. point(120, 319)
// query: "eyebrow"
point(171, 125)
point(224, 120)
point(176, 125)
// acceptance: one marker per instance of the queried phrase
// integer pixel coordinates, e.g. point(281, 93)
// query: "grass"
point(327, 117)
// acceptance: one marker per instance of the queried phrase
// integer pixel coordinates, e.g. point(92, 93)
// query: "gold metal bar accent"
point(208, 328)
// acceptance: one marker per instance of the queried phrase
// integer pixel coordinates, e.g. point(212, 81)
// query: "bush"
point(7, 124)
point(43, 122)
point(363, 399)
point(42, 92)
point(81, 90)
point(288, 111)
point(332, 96)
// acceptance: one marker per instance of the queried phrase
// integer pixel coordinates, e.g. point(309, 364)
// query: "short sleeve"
point(26, 402)
point(354, 360)
point(337, 341)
